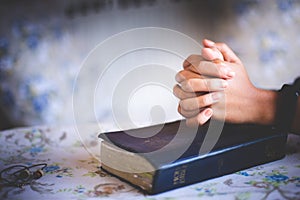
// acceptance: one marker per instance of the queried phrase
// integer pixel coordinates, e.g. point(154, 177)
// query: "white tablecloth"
point(74, 172)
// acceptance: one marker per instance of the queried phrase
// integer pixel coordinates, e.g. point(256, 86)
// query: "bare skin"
point(216, 84)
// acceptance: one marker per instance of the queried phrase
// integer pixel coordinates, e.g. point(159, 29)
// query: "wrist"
point(265, 105)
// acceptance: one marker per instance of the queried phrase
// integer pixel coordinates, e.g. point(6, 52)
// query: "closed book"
point(167, 156)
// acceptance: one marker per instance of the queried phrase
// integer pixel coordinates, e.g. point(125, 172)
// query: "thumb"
point(210, 52)
point(227, 53)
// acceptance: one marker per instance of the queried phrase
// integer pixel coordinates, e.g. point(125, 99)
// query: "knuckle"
point(175, 90)
point(189, 58)
point(181, 72)
point(194, 58)
point(184, 114)
point(182, 104)
point(179, 93)
point(186, 85)
point(179, 109)
point(203, 101)
point(186, 105)
point(180, 76)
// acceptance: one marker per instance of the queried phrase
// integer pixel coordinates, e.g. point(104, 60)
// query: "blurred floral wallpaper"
point(265, 35)
point(43, 43)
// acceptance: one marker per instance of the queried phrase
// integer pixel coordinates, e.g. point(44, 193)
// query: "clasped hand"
point(215, 84)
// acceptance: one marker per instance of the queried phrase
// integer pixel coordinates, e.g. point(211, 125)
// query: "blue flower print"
point(51, 168)
point(35, 150)
point(243, 173)
point(277, 178)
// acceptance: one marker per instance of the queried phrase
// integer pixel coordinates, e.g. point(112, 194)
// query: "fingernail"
point(217, 85)
point(228, 72)
point(231, 74)
point(224, 84)
point(215, 96)
point(208, 113)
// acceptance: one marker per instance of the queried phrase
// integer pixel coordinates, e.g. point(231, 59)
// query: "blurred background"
point(43, 44)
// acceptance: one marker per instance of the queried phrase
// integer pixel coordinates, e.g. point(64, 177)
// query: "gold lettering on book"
point(179, 175)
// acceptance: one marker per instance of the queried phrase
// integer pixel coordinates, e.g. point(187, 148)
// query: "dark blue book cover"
point(167, 156)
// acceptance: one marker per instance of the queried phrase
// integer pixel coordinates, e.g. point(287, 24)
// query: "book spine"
point(225, 162)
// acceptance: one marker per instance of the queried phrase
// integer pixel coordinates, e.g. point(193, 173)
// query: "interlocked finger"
point(188, 114)
point(203, 85)
point(181, 94)
point(202, 101)
point(184, 75)
point(201, 118)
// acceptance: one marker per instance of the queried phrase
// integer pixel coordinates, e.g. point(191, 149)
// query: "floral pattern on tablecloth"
point(73, 171)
